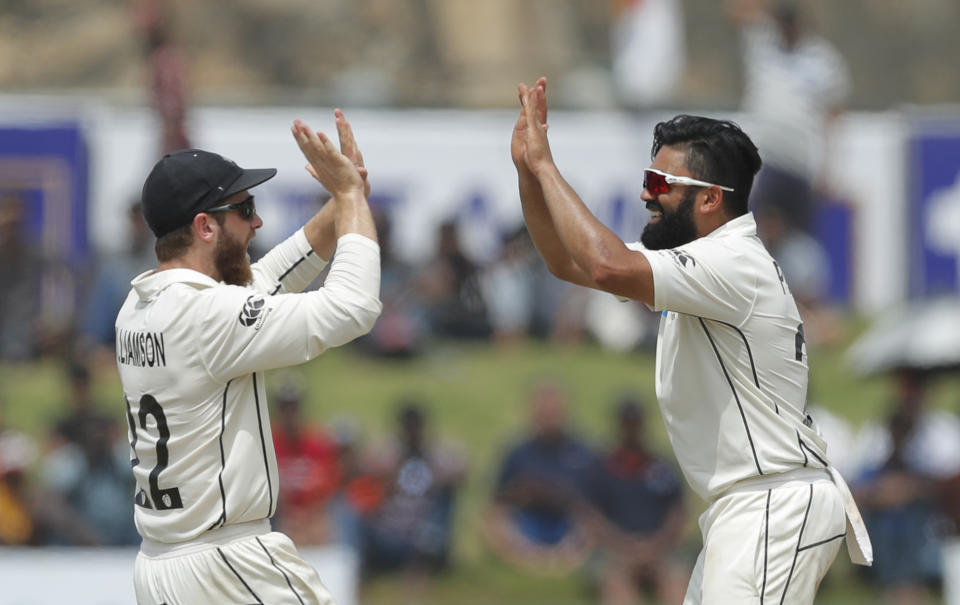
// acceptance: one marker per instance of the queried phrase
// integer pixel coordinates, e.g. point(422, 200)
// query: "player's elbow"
point(604, 274)
point(349, 318)
point(364, 314)
point(562, 271)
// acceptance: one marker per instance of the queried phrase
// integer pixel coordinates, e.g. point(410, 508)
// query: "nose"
point(257, 221)
point(646, 195)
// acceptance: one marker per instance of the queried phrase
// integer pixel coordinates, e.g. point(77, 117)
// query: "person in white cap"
point(194, 337)
point(731, 374)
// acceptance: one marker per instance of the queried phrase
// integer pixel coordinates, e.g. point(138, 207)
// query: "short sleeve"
point(704, 278)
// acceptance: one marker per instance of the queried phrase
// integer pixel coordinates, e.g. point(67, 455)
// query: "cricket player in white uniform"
point(731, 359)
point(194, 337)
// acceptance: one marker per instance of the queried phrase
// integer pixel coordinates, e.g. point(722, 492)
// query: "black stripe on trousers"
point(822, 542)
point(245, 585)
point(797, 551)
point(766, 544)
point(280, 569)
point(743, 416)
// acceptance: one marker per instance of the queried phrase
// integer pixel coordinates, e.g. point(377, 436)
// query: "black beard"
point(232, 262)
point(674, 228)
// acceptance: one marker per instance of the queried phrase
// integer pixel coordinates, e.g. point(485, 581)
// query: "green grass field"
point(476, 395)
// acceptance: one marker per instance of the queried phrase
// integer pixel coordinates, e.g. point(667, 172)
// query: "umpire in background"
point(732, 371)
point(194, 337)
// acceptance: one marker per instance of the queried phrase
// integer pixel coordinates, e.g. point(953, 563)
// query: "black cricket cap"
point(184, 183)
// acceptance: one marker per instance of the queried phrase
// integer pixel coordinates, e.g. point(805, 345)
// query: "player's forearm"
point(320, 231)
point(352, 215)
point(542, 232)
point(289, 266)
point(590, 244)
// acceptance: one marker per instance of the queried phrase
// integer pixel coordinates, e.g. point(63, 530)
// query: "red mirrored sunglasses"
point(658, 183)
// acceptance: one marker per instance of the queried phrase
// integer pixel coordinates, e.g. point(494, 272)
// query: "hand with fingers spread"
point(336, 171)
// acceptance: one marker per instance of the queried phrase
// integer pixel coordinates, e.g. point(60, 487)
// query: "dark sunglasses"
point(658, 183)
point(247, 208)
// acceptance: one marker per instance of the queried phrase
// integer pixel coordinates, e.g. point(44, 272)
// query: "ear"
point(712, 201)
point(205, 228)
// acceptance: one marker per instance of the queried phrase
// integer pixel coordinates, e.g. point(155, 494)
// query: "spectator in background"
point(361, 492)
point(509, 288)
point(18, 525)
point(81, 409)
point(413, 527)
point(898, 501)
point(639, 498)
point(403, 324)
point(168, 73)
point(524, 299)
point(796, 84)
point(86, 491)
point(806, 269)
point(88, 488)
point(114, 273)
point(648, 50)
point(932, 445)
point(21, 269)
point(309, 468)
point(450, 286)
point(538, 517)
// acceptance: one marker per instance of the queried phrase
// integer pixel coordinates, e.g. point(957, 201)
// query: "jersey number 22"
point(161, 499)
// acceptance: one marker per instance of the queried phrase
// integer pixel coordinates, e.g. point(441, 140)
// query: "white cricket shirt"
point(191, 352)
point(731, 361)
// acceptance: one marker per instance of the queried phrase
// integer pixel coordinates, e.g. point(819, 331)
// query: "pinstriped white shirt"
point(731, 361)
point(191, 352)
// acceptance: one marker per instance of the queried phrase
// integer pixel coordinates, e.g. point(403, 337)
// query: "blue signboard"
point(833, 228)
point(46, 169)
point(43, 200)
point(934, 207)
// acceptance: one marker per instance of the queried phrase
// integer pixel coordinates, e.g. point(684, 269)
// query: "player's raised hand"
point(535, 146)
point(349, 148)
point(335, 171)
point(517, 141)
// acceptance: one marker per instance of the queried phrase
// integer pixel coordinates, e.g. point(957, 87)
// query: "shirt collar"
point(742, 226)
point(150, 283)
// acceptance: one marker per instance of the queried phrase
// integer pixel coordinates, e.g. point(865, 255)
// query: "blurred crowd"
point(559, 504)
point(614, 513)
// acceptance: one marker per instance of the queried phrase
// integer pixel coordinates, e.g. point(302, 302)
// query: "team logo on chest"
point(683, 258)
point(252, 311)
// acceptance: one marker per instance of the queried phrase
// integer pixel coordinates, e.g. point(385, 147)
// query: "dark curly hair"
point(717, 151)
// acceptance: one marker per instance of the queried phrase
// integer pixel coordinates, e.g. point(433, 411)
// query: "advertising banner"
point(934, 198)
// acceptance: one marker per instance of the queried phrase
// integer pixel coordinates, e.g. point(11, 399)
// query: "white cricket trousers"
point(769, 541)
point(259, 568)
